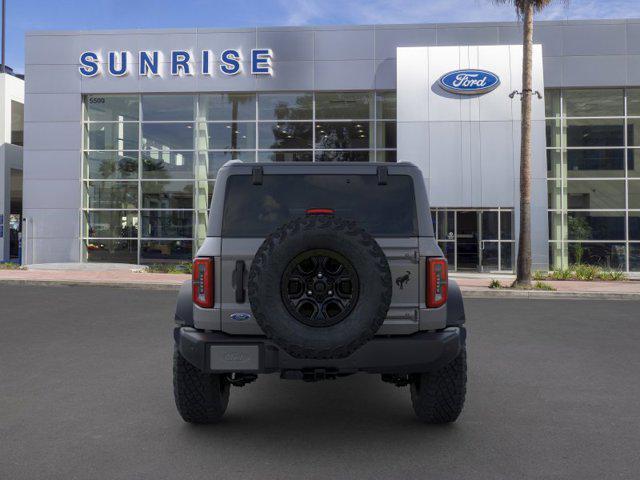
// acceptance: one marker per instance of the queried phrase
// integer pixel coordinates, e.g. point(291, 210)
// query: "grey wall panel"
point(344, 44)
point(52, 136)
point(487, 35)
point(345, 75)
point(389, 39)
point(55, 223)
point(52, 165)
point(594, 39)
point(633, 70)
point(51, 49)
point(496, 164)
point(52, 79)
point(445, 170)
point(386, 74)
point(56, 194)
point(288, 76)
point(218, 82)
point(594, 71)
point(552, 71)
point(549, 36)
point(217, 42)
point(168, 83)
point(288, 45)
point(416, 136)
point(107, 84)
point(53, 250)
point(633, 38)
point(50, 107)
point(539, 226)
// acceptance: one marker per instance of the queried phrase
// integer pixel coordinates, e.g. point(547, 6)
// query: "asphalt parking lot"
point(85, 392)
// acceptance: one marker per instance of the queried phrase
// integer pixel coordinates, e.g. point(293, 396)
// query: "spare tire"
point(320, 287)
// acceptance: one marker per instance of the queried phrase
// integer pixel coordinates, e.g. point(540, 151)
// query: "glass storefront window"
point(227, 106)
point(285, 106)
point(386, 156)
point(555, 194)
point(634, 194)
point(167, 224)
point(634, 257)
point(446, 225)
point(112, 194)
point(552, 103)
point(227, 136)
point(606, 255)
point(167, 195)
point(111, 165)
point(111, 224)
point(109, 251)
point(213, 161)
point(633, 101)
point(603, 132)
point(595, 163)
point(596, 194)
point(633, 132)
point(285, 156)
point(111, 136)
point(343, 135)
point(288, 135)
point(600, 102)
point(344, 105)
point(386, 135)
point(167, 136)
point(111, 108)
point(490, 225)
point(163, 251)
point(554, 133)
point(506, 254)
point(167, 164)
point(596, 225)
point(506, 226)
point(172, 107)
point(554, 163)
point(344, 156)
point(633, 162)
point(634, 225)
point(557, 222)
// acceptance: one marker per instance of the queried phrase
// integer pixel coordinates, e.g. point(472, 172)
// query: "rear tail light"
point(437, 282)
point(320, 211)
point(203, 282)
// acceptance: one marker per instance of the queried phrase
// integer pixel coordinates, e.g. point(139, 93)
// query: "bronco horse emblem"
point(403, 280)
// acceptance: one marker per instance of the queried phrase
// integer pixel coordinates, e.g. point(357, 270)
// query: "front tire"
point(200, 397)
point(438, 397)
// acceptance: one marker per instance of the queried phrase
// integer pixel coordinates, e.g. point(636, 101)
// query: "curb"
point(81, 283)
point(473, 293)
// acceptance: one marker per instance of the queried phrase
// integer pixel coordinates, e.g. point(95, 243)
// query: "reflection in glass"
point(605, 255)
point(506, 225)
point(289, 135)
point(633, 102)
point(286, 156)
point(554, 133)
point(634, 257)
point(506, 256)
point(596, 225)
point(344, 156)
point(557, 229)
point(112, 108)
point(595, 194)
point(386, 105)
point(167, 164)
point(168, 107)
point(489, 255)
point(167, 136)
point(167, 224)
point(285, 106)
point(634, 225)
point(112, 251)
point(554, 163)
point(167, 194)
point(111, 223)
point(386, 135)
point(552, 102)
point(227, 106)
point(111, 165)
point(446, 225)
point(634, 194)
point(347, 105)
point(595, 163)
point(600, 102)
point(449, 250)
point(633, 132)
point(330, 135)
point(633, 162)
point(490, 225)
point(213, 161)
point(227, 136)
point(112, 194)
point(111, 136)
point(386, 156)
point(595, 133)
point(166, 251)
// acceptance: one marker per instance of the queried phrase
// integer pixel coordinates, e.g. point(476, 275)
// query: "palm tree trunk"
point(523, 277)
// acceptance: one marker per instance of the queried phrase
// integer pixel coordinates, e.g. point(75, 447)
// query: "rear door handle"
point(238, 281)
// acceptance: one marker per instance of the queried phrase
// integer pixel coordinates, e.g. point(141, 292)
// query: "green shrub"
point(612, 275)
point(587, 272)
point(182, 267)
point(9, 266)
point(543, 286)
point(562, 274)
point(540, 275)
point(495, 284)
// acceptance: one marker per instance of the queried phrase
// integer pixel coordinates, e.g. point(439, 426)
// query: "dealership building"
point(125, 131)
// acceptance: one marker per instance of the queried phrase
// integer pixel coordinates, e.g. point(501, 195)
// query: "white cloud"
point(303, 12)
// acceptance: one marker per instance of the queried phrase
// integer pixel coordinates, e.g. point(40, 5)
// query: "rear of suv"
point(318, 271)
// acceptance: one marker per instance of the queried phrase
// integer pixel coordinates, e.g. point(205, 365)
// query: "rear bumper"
point(217, 352)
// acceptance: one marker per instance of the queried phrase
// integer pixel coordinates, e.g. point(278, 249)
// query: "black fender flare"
point(184, 306)
point(455, 306)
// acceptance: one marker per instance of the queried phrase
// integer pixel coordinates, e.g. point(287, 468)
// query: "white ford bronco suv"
point(318, 271)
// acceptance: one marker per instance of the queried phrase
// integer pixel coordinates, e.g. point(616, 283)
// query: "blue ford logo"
point(240, 317)
point(469, 82)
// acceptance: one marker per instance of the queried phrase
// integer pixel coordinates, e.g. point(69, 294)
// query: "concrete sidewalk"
point(473, 286)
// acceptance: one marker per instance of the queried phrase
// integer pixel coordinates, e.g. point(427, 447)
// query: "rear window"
point(257, 210)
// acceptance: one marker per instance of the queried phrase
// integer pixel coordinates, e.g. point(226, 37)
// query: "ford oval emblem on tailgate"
point(240, 317)
point(469, 81)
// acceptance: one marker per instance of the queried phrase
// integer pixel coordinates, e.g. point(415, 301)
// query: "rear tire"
point(200, 397)
point(438, 397)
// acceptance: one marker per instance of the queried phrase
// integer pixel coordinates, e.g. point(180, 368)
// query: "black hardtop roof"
point(236, 166)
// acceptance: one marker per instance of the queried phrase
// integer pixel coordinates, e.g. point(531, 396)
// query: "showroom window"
point(593, 177)
point(150, 161)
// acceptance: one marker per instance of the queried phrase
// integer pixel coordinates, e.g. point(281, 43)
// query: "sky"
point(26, 15)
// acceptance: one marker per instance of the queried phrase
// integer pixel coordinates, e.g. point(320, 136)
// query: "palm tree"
point(525, 10)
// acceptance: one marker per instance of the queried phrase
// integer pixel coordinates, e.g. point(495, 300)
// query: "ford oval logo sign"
point(469, 82)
